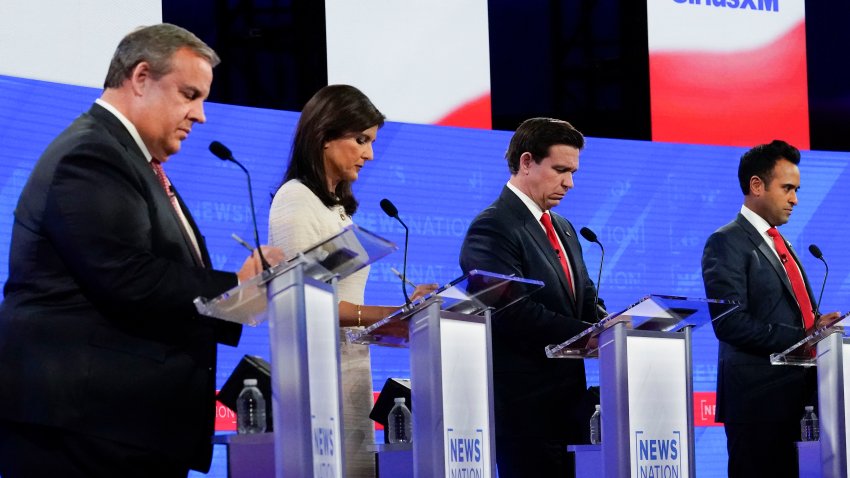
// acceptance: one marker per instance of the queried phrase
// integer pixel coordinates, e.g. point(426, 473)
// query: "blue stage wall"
point(651, 204)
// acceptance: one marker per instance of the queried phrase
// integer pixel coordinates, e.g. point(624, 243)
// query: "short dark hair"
point(536, 136)
point(760, 161)
point(333, 112)
point(154, 44)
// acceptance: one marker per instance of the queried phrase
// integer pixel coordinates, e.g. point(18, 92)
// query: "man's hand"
point(422, 290)
point(827, 320)
point(254, 266)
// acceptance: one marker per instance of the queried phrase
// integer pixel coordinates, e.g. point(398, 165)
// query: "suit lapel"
point(205, 257)
point(570, 243)
point(534, 229)
point(766, 251)
point(120, 133)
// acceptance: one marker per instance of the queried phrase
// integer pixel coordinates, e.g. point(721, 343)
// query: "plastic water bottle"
point(596, 426)
point(809, 427)
point(250, 409)
point(400, 423)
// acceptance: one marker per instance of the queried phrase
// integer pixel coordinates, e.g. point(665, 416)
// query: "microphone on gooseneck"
point(391, 211)
point(591, 237)
point(224, 153)
point(815, 250)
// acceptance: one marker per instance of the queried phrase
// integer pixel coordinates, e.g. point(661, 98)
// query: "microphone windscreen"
point(389, 208)
point(815, 250)
point(588, 234)
point(220, 150)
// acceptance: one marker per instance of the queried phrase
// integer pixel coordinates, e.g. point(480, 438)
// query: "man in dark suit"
point(748, 261)
point(105, 367)
point(537, 400)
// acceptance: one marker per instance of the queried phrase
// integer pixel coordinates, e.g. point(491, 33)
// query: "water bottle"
point(596, 426)
point(250, 409)
point(809, 428)
point(400, 423)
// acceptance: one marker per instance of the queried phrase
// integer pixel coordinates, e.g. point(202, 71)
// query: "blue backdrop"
point(651, 204)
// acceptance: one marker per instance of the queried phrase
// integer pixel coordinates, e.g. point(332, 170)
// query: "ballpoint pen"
point(242, 241)
point(405, 279)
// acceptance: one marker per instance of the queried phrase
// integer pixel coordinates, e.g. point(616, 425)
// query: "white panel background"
point(416, 60)
point(67, 41)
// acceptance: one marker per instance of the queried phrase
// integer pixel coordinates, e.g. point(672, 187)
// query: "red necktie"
point(795, 276)
point(166, 186)
point(553, 239)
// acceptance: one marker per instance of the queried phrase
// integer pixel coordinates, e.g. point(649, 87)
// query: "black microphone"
point(223, 153)
point(815, 250)
point(391, 211)
point(591, 237)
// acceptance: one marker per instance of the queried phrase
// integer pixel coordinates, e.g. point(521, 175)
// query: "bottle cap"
point(399, 400)
point(598, 407)
point(810, 408)
point(250, 382)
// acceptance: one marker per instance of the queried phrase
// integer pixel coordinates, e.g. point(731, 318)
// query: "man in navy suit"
point(748, 261)
point(105, 368)
point(537, 400)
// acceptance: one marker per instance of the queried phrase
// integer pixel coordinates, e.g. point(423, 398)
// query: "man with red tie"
point(537, 400)
point(749, 261)
point(106, 369)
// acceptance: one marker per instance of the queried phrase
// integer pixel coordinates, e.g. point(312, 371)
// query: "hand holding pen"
point(253, 265)
point(420, 290)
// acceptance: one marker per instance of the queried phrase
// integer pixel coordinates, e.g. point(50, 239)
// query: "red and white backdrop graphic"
point(728, 72)
point(419, 62)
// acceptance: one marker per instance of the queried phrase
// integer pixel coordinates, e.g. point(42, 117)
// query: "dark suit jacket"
point(534, 395)
point(98, 333)
point(738, 264)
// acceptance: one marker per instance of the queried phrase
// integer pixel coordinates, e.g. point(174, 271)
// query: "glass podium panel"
point(470, 294)
point(662, 313)
point(802, 353)
point(339, 256)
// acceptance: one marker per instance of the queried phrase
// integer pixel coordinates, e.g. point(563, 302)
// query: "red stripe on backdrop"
point(378, 426)
point(735, 99)
point(225, 418)
point(472, 114)
point(704, 407)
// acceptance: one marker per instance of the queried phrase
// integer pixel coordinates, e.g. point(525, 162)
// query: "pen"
point(396, 272)
point(242, 241)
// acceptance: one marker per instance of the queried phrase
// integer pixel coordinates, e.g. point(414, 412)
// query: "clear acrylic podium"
point(451, 370)
point(832, 358)
point(301, 307)
point(646, 382)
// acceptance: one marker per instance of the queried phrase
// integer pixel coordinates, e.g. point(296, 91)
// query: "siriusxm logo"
point(761, 5)
point(659, 456)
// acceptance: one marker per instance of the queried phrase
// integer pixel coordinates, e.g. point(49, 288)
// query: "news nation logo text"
point(658, 455)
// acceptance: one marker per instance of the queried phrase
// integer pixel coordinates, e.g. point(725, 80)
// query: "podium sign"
point(465, 371)
point(648, 433)
point(451, 371)
point(303, 316)
point(833, 362)
point(646, 382)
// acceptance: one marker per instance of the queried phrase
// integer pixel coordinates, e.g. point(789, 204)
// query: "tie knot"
point(772, 232)
point(546, 220)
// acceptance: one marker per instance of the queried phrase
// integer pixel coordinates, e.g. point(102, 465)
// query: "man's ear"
point(757, 186)
point(140, 77)
point(525, 161)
